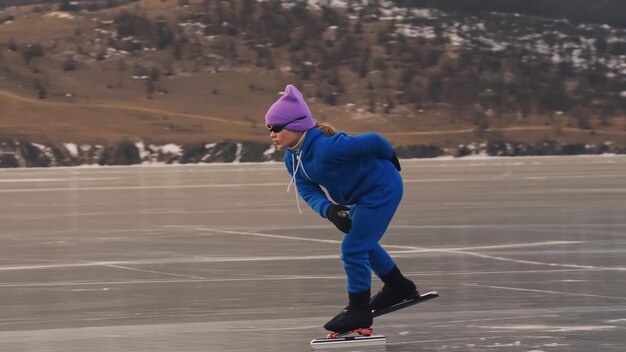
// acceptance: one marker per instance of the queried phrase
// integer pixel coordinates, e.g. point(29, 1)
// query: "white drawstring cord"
point(293, 180)
point(304, 170)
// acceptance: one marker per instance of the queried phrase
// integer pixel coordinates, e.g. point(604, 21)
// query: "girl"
point(361, 175)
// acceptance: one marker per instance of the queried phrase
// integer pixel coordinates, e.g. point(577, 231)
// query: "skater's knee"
point(357, 248)
point(355, 257)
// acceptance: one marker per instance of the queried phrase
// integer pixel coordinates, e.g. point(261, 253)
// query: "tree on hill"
point(12, 45)
point(69, 64)
point(163, 34)
point(31, 51)
point(41, 89)
point(131, 24)
point(67, 6)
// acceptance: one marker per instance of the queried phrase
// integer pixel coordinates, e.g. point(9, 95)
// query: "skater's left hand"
point(394, 160)
point(338, 215)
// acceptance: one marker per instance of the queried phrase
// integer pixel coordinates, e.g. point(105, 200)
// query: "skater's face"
point(285, 138)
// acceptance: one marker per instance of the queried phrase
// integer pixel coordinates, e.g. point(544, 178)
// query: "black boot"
point(397, 288)
point(355, 316)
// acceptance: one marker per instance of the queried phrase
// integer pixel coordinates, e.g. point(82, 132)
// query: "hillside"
point(579, 11)
point(205, 71)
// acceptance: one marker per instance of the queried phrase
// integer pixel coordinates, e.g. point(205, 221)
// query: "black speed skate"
point(364, 336)
point(357, 315)
point(397, 288)
point(350, 319)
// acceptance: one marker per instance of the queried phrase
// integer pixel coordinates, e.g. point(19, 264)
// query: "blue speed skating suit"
point(355, 171)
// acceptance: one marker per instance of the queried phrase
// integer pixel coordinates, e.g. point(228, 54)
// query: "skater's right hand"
point(338, 215)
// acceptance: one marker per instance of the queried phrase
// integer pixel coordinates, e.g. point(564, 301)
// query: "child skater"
point(361, 175)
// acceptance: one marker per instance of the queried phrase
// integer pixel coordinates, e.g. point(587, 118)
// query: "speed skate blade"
point(350, 341)
point(406, 303)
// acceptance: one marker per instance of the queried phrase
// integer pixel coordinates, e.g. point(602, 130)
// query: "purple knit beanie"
point(291, 110)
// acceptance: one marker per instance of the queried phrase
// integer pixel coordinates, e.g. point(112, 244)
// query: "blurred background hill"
point(421, 72)
point(580, 11)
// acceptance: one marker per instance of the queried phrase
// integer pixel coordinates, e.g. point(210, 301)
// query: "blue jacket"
point(348, 167)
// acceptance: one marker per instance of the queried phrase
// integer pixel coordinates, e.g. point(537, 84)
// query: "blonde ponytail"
point(327, 129)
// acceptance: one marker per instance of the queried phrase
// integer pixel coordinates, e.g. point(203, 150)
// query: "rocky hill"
point(205, 71)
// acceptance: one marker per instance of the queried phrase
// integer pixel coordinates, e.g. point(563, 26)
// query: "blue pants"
point(360, 251)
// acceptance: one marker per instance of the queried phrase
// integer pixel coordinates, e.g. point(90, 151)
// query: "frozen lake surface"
point(528, 254)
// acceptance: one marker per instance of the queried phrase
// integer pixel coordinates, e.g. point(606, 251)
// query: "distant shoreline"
point(24, 154)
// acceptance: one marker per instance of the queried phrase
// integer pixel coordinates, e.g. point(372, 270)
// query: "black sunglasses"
point(278, 128)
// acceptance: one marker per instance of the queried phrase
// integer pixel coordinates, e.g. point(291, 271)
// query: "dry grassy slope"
point(107, 104)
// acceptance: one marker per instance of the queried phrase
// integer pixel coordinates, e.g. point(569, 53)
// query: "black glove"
point(394, 160)
point(338, 215)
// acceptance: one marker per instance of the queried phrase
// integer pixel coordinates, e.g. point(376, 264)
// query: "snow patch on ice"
point(615, 321)
point(497, 344)
point(552, 328)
